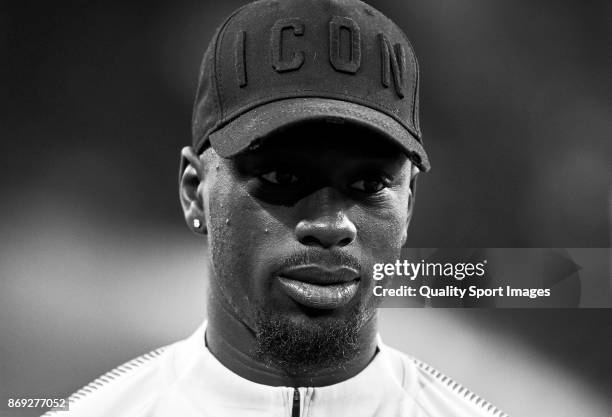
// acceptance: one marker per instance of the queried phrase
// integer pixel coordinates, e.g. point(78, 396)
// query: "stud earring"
point(197, 223)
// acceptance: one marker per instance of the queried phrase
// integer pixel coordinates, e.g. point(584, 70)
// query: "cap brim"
point(237, 135)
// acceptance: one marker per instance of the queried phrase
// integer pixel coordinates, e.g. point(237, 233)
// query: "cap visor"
point(236, 136)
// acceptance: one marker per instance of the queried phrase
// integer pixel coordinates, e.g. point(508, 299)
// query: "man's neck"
point(234, 344)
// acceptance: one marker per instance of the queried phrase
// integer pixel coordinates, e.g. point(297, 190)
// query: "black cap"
point(277, 62)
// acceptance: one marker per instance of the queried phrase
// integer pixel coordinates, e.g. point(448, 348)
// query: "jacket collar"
point(197, 371)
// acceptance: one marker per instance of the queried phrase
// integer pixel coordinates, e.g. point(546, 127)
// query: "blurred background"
point(96, 265)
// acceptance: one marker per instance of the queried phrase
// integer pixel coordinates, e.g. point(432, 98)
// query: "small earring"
point(197, 223)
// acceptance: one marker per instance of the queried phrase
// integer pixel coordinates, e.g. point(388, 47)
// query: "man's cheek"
point(240, 231)
point(228, 237)
point(382, 231)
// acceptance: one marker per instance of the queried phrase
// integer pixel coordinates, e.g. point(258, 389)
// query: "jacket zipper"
point(295, 412)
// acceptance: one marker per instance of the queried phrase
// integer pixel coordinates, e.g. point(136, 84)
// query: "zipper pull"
point(295, 412)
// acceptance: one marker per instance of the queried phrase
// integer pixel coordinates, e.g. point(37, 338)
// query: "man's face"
point(295, 227)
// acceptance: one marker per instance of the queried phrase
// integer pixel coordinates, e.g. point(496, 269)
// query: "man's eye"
point(280, 177)
point(369, 186)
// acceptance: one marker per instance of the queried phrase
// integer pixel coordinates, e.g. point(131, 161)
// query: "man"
point(306, 148)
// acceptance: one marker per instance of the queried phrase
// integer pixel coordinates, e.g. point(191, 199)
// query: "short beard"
point(314, 346)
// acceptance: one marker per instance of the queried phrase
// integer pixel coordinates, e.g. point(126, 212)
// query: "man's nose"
point(326, 223)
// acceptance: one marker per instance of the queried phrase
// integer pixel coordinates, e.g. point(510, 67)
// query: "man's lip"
point(325, 297)
point(320, 274)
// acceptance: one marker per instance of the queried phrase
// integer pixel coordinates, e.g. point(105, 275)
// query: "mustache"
point(318, 257)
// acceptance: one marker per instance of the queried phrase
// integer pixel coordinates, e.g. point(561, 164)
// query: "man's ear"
point(413, 180)
point(191, 179)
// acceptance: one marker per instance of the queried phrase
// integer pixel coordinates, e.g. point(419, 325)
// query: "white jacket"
point(185, 380)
